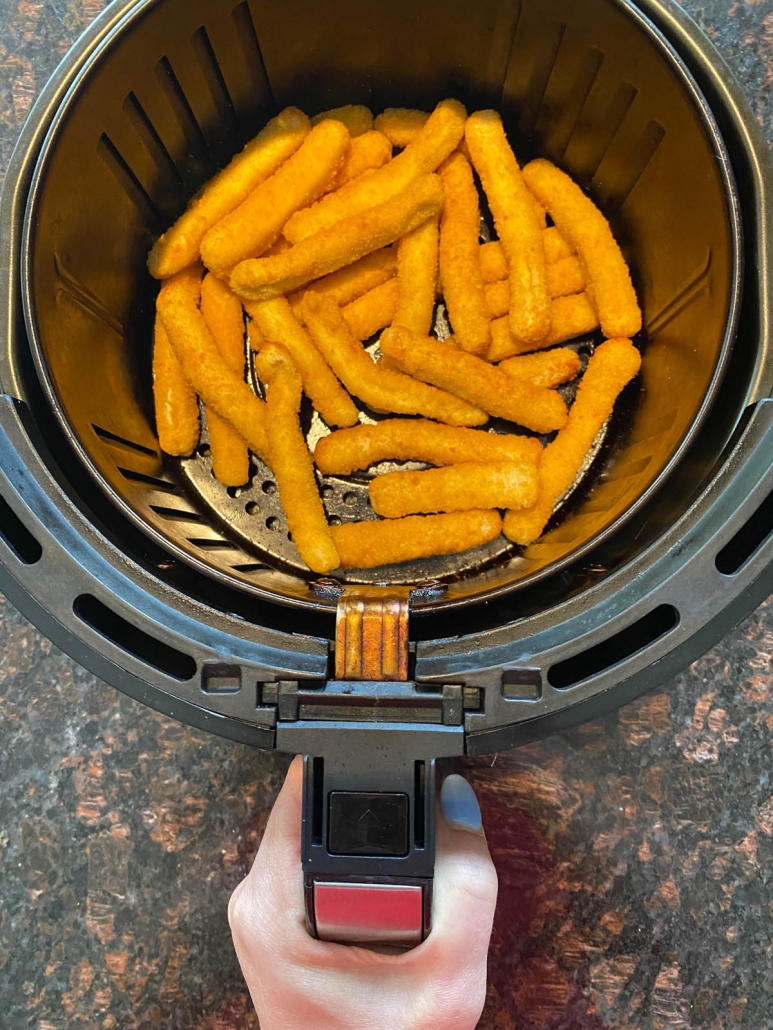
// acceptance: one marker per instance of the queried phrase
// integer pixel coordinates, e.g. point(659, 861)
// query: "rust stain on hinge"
point(372, 635)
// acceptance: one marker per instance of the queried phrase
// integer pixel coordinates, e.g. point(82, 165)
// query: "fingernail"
point(459, 805)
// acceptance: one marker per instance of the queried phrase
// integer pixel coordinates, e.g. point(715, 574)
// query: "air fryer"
point(192, 597)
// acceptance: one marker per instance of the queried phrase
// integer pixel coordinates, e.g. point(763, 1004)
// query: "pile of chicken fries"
point(323, 233)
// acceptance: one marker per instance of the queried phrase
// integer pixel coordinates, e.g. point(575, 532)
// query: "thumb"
point(465, 890)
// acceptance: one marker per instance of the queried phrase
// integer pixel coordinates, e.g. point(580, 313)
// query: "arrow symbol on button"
point(368, 824)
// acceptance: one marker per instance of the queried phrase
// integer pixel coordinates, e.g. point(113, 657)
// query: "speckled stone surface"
point(635, 854)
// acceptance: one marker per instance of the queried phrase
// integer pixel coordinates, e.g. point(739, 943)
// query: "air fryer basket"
point(160, 92)
point(181, 88)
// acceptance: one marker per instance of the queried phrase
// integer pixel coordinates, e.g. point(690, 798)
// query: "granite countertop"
point(635, 854)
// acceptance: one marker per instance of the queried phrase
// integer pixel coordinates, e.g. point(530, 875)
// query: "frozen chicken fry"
point(401, 125)
point(381, 389)
point(221, 389)
point(179, 246)
point(565, 278)
point(278, 324)
point(438, 138)
point(417, 270)
point(516, 223)
point(177, 409)
point(366, 545)
point(408, 439)
point(291, 462)
point(548, 368)
point(588, 231)
point(572, 317)
point(374, 310)
point(357, 118)
point(609, 371)
point(224, 316)
point(449, 368)
point(353, 281)
point(345, 242)
point(366, 153)
point(460, 269)
point(256, 224)
point(470, 487)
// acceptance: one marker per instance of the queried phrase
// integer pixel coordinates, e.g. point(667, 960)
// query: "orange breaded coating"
point(344, 243)
point(516, 223)
point(401, 125)
point(449, 368)
point(460, 268)
point(278, 324)
point(221, 389)
point(493, 262)
point(179, 247)
point(470, 487)
point(379, 388)
point(417, 270)
point(224, 316)
point(366, 153)
point(548, 369)
point(437, 139)
point(366, 545)
point(177, 409)
point(609, 371)
point(353, 281)
point(572, 317)
point(291, 462)
point(588, 231)
point(357, 118)
point(403, 439)
point(565, 278)
point(374, 310)
point(256, 224)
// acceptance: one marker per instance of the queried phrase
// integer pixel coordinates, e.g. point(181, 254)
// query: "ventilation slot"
point(140, 477)
point(148, 133)
point(617, 649)
point(420, 803)
point(221, 679)
point(213, 73)
point(318, 799)
point(747, 541)
point(177, 514)
point(121, 441)
point(125, 177)
point(522, 685)
point(248, 37)
point(134, 641)
point(17, 536)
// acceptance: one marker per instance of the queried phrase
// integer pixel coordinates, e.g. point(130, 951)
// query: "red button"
point(365, 913)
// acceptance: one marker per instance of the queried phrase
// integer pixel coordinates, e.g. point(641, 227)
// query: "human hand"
point(298, 983)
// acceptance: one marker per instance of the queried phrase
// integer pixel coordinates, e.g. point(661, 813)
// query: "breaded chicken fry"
point(255, 225)
point(460, 268)
point(401, 125)
point(366, 545)
point(345, 242)
point(470, 487)
point(278, 324)
point(493, 262)
point(609, 371)
point(565, 278)
point(404, 439)
point(224, 316)
point(548, 368)
point(516, 223)
point(437, 139)
point(572, 317)
point(374, 310)
point(589, 232)
point(177, 409)
point(221, 389)
point(291, 462)
point(365, 154)
point(357, 118)
point(179, 247)
point(417, 270)
point(449, 368)
point(353, 281)
point(381, 389)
